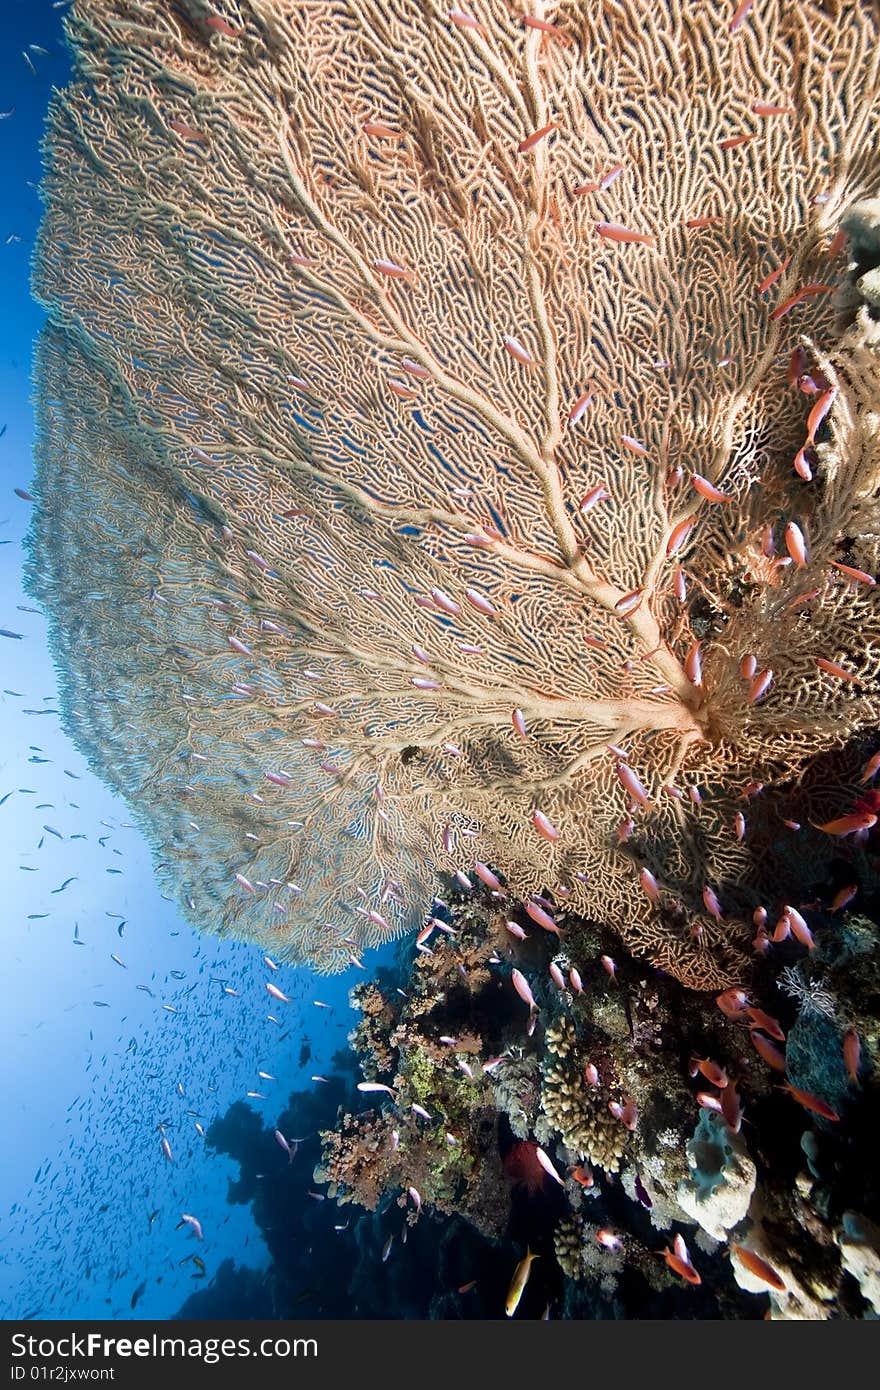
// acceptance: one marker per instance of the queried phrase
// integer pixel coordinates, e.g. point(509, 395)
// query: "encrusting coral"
point(419, 476)
point(719, 1189)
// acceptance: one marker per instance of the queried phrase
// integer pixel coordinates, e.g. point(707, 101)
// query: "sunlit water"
point(93, 1058)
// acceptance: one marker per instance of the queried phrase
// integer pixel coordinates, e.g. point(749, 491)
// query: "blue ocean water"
point(120, 1022)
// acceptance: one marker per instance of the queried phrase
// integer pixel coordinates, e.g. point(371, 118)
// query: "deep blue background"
point(84, 1086)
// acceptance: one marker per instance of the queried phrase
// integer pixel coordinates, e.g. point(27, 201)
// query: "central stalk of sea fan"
point(421, 480)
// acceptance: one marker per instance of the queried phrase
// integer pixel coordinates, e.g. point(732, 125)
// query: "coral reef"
point(859, 1241)
point(323, 1264)
point(441, 1141)
point(599, 1112)
point(414, 424)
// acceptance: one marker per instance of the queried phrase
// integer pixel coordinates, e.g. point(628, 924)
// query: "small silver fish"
point(194, 1222)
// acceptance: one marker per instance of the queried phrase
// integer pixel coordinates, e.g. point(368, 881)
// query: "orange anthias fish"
point(766, 1049)
point(380, 131)
point(222, 26)
point(733, 1002)
point(768, 1024)
point(810, 1102)
point(797, 298)
point(544, 826)
point(708, 1100)
point(872, 766)
point(731, 1107)
point(774, 275)
point(847, 825)
point(708, 490)
point(679, 1260)
point(843, 897)
point(760, 1268)
point(521, 985)
point(852, 1054)
point(833, 668)
point(530, 22)
point(712, 1072)
point(531, 140)
point(187, 132)
point(613, 231)
point(540, 917)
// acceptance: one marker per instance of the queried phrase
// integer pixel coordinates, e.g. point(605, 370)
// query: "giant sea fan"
point(312, 479)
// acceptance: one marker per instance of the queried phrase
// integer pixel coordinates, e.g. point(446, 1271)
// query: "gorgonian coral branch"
point(416, 420)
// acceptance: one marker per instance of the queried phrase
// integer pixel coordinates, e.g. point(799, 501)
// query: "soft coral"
point(523, 1169)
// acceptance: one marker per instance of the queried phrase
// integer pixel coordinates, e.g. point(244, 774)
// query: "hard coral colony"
point(450, 430)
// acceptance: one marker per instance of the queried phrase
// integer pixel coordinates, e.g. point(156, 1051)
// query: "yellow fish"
point(518, 1283)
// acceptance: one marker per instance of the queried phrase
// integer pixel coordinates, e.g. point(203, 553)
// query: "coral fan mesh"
point(311, 496)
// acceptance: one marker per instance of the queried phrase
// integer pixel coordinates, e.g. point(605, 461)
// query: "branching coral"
point(411, 424)
point(576, 1111)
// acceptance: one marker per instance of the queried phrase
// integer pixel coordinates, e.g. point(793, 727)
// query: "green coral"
point(421, 1074)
